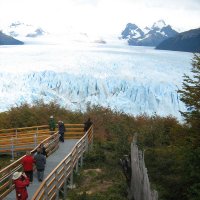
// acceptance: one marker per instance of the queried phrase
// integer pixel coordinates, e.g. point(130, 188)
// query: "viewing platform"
point(63, 159)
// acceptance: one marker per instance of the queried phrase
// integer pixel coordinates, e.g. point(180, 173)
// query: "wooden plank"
point(75, 129)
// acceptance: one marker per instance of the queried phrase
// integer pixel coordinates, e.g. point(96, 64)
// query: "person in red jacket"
point(27, 163)
point(21, 181)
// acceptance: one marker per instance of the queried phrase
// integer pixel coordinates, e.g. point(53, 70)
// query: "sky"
point(100, 16)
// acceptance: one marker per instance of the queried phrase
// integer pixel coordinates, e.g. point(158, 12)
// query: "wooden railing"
point(57, 180)
point(15, 132)
point(75, 131)
point(22, 136)
point(22, 139)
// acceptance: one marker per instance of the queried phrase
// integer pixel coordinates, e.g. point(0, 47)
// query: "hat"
point(51, 116)
point(16, 175)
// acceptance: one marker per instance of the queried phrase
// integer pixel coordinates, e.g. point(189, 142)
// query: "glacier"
point(133, 80)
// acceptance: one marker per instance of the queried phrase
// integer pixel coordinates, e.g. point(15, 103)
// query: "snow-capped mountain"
point(158, 25)
point(8, 40)
point(153, 36)
point(23, 31)
point(132, 31)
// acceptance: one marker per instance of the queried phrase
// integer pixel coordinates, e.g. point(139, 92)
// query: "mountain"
point(36, 33)
point(132, 31)
point(22, 30)
point(148, 36)
point(188, 41)
point(8, 40)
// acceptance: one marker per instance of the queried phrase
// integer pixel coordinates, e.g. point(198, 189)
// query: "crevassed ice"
point(134, 80)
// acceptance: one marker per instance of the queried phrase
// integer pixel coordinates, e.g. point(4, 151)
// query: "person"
point(40, 161)
point(27, 163)
point(52, 124)
point(43, 150)
point(61, 129)
point(21, 181)
point(87, 124)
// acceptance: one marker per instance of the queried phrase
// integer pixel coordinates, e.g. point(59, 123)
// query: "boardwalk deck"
point(52, 161)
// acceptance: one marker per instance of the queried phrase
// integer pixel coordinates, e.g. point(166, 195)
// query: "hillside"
point(188, 41)
point(8, 40)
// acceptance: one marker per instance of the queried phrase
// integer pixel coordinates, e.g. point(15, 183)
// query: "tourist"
point(40, 161)
point(52, 124)
point(27, 163)
point(43, 150)
point(21, 181)
point(87, 125)
point(61, 129)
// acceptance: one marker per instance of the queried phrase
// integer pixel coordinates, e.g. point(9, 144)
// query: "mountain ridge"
point(188, 41)
point(21, 30)
point(158, 32)
point(8, 40)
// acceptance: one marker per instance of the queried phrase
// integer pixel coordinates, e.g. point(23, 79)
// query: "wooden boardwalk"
point(52, 161)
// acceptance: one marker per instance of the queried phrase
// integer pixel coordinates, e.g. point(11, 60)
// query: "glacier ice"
point(134, 80)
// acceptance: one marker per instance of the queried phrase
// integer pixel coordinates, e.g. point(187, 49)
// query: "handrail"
point(24, 128)
point(33, 127)
point(49, 189)
point(24, 142)
point(15, 141)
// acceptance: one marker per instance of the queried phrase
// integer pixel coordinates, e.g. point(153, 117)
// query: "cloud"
point(101, 16)
point(86, 2)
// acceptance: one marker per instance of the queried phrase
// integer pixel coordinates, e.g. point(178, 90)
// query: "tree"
point(190, 95)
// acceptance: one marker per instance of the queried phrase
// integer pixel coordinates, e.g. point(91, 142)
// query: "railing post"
point(16, 133)
point(12, 147)
point(92, 137)
point(57, 185)
point(76, 168)
point(10, 180)
point(35, 140)
point(45, 191)
point(82, 152)
point(71, 178)
point(37, 132)
point(65, 182)
point(86, 142)
point(81, 160)
point(72, 172)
